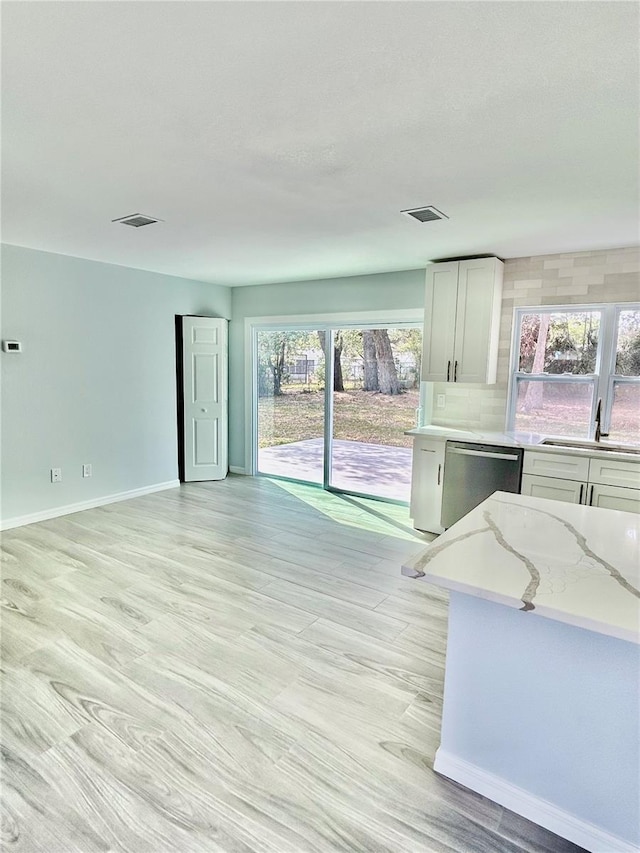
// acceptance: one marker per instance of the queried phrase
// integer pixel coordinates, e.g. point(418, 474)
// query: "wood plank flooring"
point(232, 666)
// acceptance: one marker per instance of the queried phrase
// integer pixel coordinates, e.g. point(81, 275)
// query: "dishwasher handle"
point(462, 452)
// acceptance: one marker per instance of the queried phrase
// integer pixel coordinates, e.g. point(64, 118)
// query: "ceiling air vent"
point(137, 220)
point(425, 214)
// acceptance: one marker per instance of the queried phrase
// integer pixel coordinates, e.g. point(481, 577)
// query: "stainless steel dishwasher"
point(472, 472)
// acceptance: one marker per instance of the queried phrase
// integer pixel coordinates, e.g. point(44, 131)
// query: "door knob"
point(203, 410)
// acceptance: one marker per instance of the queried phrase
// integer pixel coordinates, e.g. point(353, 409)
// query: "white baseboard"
point(55, 512)
point(528, 805)
point(235, 469)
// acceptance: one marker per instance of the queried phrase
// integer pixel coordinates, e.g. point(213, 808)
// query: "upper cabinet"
point(462, 321)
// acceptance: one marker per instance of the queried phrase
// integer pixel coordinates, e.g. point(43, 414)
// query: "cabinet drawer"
point(614, 497)
point(615, 472)
point(560, 465)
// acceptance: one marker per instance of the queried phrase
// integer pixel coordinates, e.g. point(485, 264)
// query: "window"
point(565, 359)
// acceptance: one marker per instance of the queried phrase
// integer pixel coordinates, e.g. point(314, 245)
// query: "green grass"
point(364, 416)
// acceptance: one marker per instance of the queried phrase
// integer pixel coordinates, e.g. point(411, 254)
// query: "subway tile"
point(612, 289)
point(582, 271)
point(548, 291)
point(575, 255)
point(622, 255)
point(622, 279)
point(589, 280)
point(597, 262)
point(527, 283)
point(543, 258)
point(558, 263)
point(599, 293)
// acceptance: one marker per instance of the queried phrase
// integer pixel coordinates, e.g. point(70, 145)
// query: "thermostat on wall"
point(12, 346)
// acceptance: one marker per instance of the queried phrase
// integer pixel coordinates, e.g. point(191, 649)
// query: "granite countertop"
point(576, 564)
point(526, 440)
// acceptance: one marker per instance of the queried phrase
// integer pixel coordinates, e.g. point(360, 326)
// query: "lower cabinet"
point(609, 484)
point(426, 484)
point(614, 497)
point(570, 491)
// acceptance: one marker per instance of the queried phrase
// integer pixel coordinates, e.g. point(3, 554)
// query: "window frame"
point(604, 379)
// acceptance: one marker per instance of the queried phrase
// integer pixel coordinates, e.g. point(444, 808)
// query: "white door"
point(204, 377)
point(439, 322)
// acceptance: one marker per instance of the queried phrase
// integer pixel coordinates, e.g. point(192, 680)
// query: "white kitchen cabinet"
point(426, 484)
point(615, 472)
point(569, 491)
point(593, 481)
point(462, 321)
point(563, 466)
point(614, 497)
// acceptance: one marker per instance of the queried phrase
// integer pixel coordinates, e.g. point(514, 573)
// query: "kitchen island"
point(542, 681)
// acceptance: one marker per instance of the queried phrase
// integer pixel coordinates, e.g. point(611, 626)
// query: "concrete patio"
point(371, 469)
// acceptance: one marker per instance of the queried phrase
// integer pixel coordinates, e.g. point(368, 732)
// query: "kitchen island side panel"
point(547, 707)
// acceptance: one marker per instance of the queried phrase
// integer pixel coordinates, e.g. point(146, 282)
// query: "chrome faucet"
point(598, 419)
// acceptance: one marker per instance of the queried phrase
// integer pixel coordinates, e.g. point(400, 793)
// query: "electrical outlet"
point(440, 401)
point(56, 475)
point(87, 470)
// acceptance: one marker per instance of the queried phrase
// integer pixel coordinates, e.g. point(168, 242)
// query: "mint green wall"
point(385, 291)
point(96, 381)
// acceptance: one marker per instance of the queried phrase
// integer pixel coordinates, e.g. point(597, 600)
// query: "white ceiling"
point(279, 141)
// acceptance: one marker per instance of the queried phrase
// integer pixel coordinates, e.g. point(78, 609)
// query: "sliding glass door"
point(375, 399)
point(290, 404)
point(333, 404)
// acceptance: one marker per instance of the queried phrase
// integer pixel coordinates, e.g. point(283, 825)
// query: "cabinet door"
point(439, 321)
point(569, 491)
point(477, 320)
point(614, 497)
point(426, 485)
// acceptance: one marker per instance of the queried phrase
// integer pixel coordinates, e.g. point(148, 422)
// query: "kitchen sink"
point(591, 445)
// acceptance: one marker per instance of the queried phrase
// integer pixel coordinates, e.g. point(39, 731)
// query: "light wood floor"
point(234, 666)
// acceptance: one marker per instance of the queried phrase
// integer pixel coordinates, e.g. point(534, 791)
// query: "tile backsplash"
point(607, 275)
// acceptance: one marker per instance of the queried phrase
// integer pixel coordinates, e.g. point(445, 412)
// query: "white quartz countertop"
point(517, 439)
point(576, 564)
point(526, 440)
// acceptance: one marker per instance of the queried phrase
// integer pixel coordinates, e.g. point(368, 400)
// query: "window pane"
point(565, 342)
point(628, 346)
point(291, 404)
point(554, 408)
point(625, 413)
